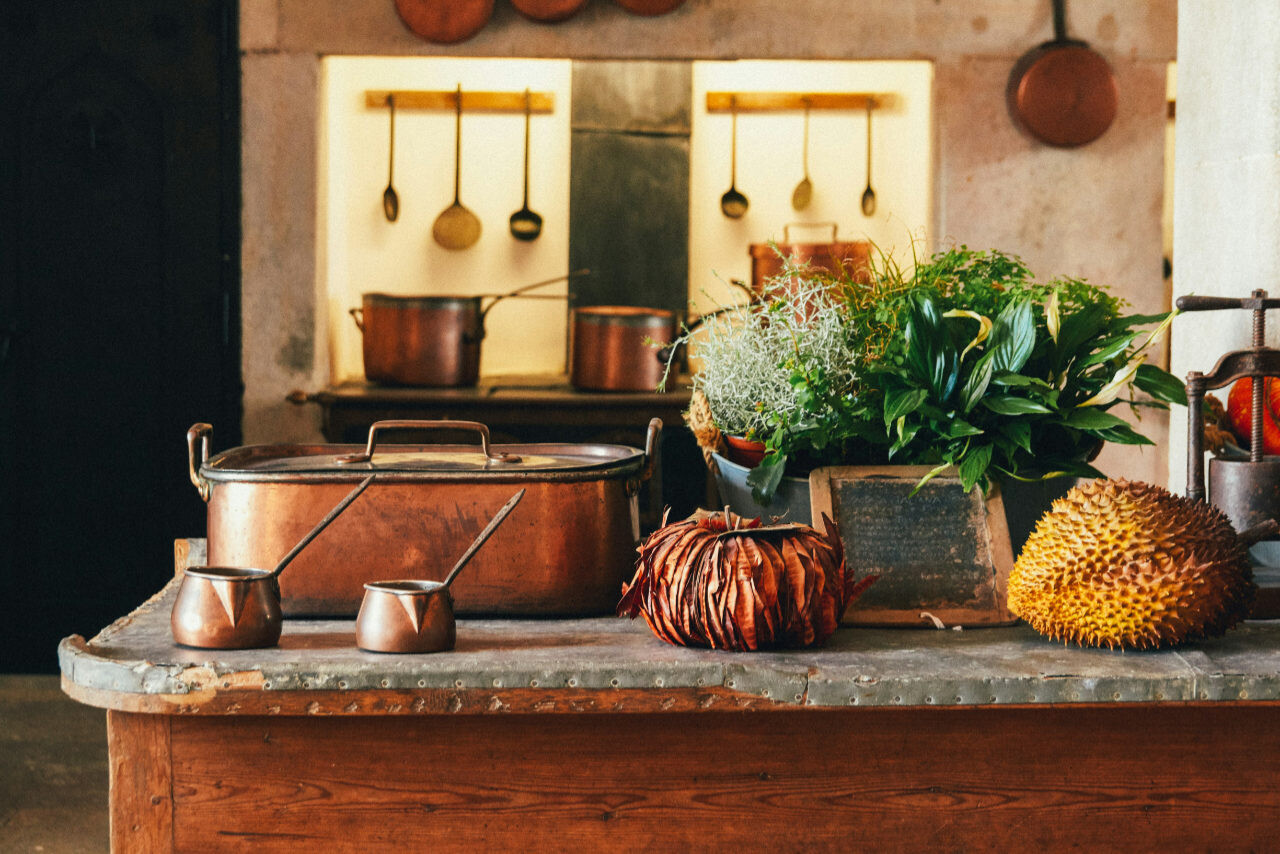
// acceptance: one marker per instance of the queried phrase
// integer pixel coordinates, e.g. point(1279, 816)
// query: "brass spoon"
point(733, 203)
point(803, 193)
point(869, 195)
point(390, 200)
point(525, 224)
point(456, 227)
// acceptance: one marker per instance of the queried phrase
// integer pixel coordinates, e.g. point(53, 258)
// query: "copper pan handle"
point(198, 433)
point(411, 424)
point(357, 314)
point(651, 449)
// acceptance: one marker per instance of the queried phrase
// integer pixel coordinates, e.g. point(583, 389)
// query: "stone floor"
point(53, 769)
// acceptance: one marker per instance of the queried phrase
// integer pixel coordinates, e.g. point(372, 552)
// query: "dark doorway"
point(119, 299)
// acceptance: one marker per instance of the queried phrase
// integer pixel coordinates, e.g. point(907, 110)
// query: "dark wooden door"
point(119, 299)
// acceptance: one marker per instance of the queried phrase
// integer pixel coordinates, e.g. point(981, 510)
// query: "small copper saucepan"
point(417, 616)
point(230, 607)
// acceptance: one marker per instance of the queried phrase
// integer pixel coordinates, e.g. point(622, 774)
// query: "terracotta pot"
point(745, 452)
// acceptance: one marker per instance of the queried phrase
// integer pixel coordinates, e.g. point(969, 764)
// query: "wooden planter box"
point(943, 551)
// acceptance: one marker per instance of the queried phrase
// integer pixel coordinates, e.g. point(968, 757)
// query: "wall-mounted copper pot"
point(767, 262)
point(430, 340)
point(612, 347)
point(548, 11)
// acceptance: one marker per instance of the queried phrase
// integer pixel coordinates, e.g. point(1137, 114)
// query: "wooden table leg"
point(141, 783)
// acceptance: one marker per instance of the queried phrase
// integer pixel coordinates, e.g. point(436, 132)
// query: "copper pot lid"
point(625, 315)
point(270, 462)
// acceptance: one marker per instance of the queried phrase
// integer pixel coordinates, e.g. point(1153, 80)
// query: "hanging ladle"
point(229, 607)
point(525, 224)
point(733, 203)
point(803, 192)
point(390, 200)
point(456, 227)
point(417, 616)
point(869, 195)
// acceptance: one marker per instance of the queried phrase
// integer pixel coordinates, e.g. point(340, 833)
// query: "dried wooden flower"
point(718, 580)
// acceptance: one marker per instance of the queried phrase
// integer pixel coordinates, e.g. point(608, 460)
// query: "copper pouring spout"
point(227, 607)
point(417, 616)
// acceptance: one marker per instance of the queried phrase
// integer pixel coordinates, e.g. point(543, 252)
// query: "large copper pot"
point(768, 259)
point(620, 347)
point(429, 340)
point(565, 553)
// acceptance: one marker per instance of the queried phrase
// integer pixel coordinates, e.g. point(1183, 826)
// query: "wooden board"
point(141, 783)
point(1119, 779)
point(942, 551)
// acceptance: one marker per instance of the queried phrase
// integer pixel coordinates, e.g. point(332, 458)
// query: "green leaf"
point(1019, 432)
point(974, 466)
point(930, 476)
point(1109, 349)
point(1077, 328)
point(1137, 320)
point(1092, 418)
point(1013, 336)
point(765, 478)
point(1018, 381)
point(976, 386)
point(905, 435)
point(1123, 434)
point(957, 428)
point(1010, 405)
point(922, 329)
point(899, 402)
point(1160, 384)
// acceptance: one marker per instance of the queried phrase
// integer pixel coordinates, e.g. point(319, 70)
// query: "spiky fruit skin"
point(1129, 565)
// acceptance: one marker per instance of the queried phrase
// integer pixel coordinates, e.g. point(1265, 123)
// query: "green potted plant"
point(963, 361)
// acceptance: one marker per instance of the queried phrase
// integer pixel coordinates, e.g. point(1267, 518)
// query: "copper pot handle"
point(198, 433)
point(357, 314)
point(651, 449)
point(786, 229)
point(411, 424)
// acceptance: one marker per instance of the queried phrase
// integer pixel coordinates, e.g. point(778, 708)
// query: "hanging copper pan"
point(649, 7)
point(1063, 92)
point(548, 11)
point(445, 21)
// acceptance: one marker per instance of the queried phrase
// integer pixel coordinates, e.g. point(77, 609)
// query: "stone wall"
point(1093, 211)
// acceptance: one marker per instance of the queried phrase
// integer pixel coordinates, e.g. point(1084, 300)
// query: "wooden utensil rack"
point(447, 99)
point(761, 102)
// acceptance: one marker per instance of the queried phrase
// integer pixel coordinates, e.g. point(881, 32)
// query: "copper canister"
point(565, 553)
point(620, 347)
point(768, 259)
point(421, 340)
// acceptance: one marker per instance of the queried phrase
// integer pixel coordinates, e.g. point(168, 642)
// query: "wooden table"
point(590, 735)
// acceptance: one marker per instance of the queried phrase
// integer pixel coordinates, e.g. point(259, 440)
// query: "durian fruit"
point(1126, 564)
